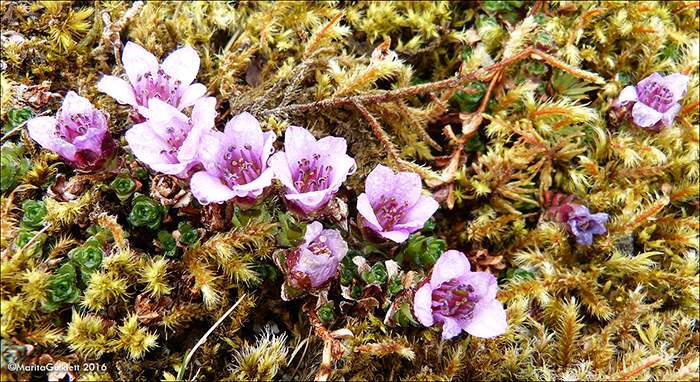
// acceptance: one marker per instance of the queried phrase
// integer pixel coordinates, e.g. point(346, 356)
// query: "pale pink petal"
point(310, 201)
point(670, 115)
point(641, 85)
point(488, 320)
point(396, 235)
point(485, 284)
point(118, 89)
point(422, 305)
point(74, 104)
point(299, 143)
point(628, 94)
point(182, 64)
point(644, 116)
point(365, 209)
point(190, 95)
point(380, 182)
point(256, 187)
point(677, 84)
point(269, 138)
point(450, 327)
point(312, 231)
point(42, 129)
point(209, 189)
point(137, 62)
point(280, 166)
point(450, 265)
point(245, 129)
point(417, 215)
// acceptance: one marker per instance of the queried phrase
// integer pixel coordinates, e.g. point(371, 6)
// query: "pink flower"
point(235, 163)
point(653, 103)
point(312, 171)
point(392, 205)
point(581, 223)
point(316, 260)
point(170, 82)
point(79, 133)
point(460, 299)
point(169, 142)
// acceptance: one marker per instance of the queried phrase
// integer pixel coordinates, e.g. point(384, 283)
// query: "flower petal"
point(628, 94)
point(450, 327)
point(312, 231)
point(380, 182)
point(182, 64)
point(310, 201)
point(209, 189)
point(422, 305)
point(450, 265)
point(488, 320)
point(190, 95)
point(146, 145)
point(42, 129)
point(203, 114)
point(396, 235)
point(332, 151)
point(138, 61)
point(280, 166)
point(416, 216)
point(118, 89)
point(245, 129)
point(644, 116)
point(408, 187)
point(485, 284)
point(74, 104)
point(298, 143)
point(670, 115)
point(365, 209)
point(677, 83)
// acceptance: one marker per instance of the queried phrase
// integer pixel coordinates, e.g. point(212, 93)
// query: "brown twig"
point(379, 132)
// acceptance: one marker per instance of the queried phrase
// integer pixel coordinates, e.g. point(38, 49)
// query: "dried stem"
point(381, 134)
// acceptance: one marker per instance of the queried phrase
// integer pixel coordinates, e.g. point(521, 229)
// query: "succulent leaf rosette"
point(170, 82)
point(235, 163)
point(392, 205)
point(313, 263)
point(460, 299)
point(79, 133)
point(311, 171)
point(653, 103)
point(169, 141)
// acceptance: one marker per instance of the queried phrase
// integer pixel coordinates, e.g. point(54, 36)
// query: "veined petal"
point(408, 187)
point(417, 215)
point(380, 182)
point(42, 130)
point(488, 320)
point(628, 94)
point(209, 189)
point(396, 235)
point(644, 116)
point(365, 209)
point(245, 129)
point(677, 83)
point(255, 187)
point(485, 284)
point(182, 64)
point(118, 89)
point(641, 85)
point(138, 61)
point(280, 166)
point(310, 201)
point(298, 143)
point(450, 265)
point(450, 327)
point(422, 305)
point(74, 104)
point(146, 145)
point(670, 115)
point(190, 95)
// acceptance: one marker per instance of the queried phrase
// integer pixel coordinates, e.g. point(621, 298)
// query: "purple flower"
point(169, 142)
point(392, 205)
point(312, 171)
point(581, 223)
point(235, 163)
point(170, 82)
point(79, 133)
point(460, 299)
point(653, 103)
point(315, 261)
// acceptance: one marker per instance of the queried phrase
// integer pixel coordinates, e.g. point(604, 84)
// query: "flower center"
point(160, 86)
point(319, 247)
point(657, 97)
point(455, 299)
point(311, 175)
point(72, 127)
point(240, 165)
point(175, 135)
point(389, 211)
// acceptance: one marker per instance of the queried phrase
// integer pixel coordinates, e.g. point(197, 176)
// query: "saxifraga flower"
point(392, 205)
point(311, 171)
point(653, 103)
point(314, 262)
point(580, 222)
point(235, 163)
point(169, 142)
point(460, 299)
point(170, 82)
point(79, 133)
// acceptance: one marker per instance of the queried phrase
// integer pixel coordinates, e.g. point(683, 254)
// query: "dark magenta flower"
point(235, 163)
point(79, 133)
point(169, 142)
point(581, 223)
point(460, 299)
point(170, 82)
point(313, 263)
point(312, 171)
point(392, 205)
point(653, 103)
